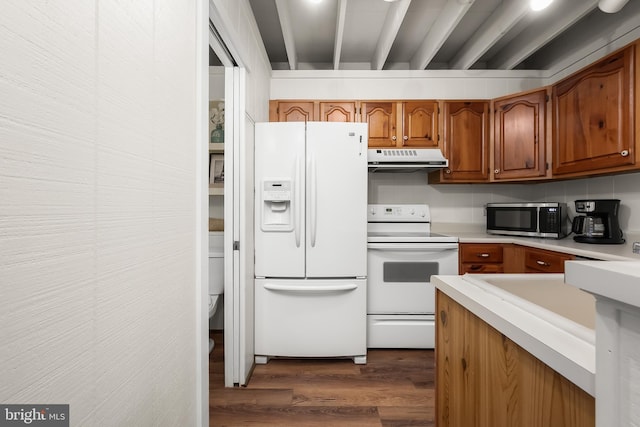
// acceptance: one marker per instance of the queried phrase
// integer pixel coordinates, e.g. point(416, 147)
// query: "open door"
point(238, 218)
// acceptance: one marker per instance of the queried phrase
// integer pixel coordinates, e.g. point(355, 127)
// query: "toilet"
point(216, 273)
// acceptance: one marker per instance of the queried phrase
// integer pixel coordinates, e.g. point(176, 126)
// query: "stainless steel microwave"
point(528, 219)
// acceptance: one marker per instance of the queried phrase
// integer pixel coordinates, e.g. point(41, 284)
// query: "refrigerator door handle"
point(297, 201)
point(311, 288)
point(313, 219)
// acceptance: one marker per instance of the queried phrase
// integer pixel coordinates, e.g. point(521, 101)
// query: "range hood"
point(405, 159)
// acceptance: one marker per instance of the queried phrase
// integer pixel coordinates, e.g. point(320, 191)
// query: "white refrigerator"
point(310, 240)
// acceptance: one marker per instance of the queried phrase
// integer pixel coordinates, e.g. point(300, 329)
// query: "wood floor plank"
point(395, 388)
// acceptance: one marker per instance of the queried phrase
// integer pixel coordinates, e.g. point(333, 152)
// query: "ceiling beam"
point(494, 28)
point(337, 47)
point(443, 26)
point(392, 23)
point(514, 53)
point(287, 33)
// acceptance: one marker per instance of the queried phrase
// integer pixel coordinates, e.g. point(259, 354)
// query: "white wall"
point(427, 84)
point(464, 203)
point(98, 211)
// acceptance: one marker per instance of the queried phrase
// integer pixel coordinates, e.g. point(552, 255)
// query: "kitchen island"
point(514, 350)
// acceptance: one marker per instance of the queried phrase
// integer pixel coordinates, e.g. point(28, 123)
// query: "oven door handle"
point(413, 246)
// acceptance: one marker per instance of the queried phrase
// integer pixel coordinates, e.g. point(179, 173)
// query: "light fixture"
point(539, 4)
point(315, 1)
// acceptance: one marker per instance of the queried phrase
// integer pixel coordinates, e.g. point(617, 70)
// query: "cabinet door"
point(381, 123)
point(337, 111)
point(594, 117)
point(420, 124)
point(542, 261)
point(466, 141)
point(480, 258)
point(292, 111)
point(520, 123)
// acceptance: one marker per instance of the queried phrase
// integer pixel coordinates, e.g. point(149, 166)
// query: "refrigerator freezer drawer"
point(400, 331)
point(310, 318)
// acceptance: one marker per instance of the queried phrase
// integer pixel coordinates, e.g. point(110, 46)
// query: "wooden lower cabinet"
point(487, 258)
point(484, 379)
point(480, 258)
point(543, 261)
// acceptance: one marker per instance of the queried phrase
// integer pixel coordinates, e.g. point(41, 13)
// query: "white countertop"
point(616, 280)
point(476, 234)
point(566, 346)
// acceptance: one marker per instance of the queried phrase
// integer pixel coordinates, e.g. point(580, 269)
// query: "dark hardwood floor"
point(395, 388)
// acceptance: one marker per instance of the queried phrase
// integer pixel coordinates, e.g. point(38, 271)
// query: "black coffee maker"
point(599, 224)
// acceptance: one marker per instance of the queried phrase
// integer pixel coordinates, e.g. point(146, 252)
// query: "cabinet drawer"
point(480, 253)
point(545, 261)
point(481, 268)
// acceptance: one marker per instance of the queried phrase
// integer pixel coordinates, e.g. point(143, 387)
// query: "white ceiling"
point(424, 34)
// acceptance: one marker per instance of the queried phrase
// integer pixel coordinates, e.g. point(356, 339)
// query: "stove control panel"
point(398, 213)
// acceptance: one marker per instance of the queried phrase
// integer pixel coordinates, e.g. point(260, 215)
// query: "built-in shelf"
point(216, 189)
point(216, 147)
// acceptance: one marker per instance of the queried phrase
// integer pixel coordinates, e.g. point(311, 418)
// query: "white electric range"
point(402, 256)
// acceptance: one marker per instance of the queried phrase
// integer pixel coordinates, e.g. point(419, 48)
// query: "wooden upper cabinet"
point(420, 124)
point(401, 124)
point(305, 111)
point(292, 111)
point(381, 123)
point(593, 129)
point(520, 136)
point(466, 141)
point(338, 111)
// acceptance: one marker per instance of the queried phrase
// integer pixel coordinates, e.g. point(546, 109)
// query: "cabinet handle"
point(624, 153)
point(393, 138)
point(405, 137)
point(483, 255)
point(496, 171)
point(542, 263)
point(447, 171)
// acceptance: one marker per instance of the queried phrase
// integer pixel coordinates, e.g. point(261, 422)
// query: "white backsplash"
point(464, 203)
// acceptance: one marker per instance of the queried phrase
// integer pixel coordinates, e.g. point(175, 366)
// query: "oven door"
point(399, 275)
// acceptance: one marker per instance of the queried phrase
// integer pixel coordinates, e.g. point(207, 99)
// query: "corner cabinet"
point(520, 136)
point(401, 124)
point(465, 142)
point(594, 117)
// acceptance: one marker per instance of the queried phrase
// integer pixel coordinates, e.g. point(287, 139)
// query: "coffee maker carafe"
point(599, 224)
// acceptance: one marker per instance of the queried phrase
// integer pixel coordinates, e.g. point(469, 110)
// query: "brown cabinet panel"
point(466, 141)
point(480, 258)
point(483, 378)
point(338, 111)
point(420, 124)
point(481, 268)
point(594, 117)
point(292, 111)
point(543, 261)
point(481, 252)
point(519, 136)
point(381, 123)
